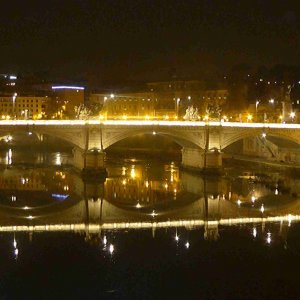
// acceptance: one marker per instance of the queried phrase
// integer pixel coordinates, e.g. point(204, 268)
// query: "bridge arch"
point(176, 136)
point(243, 133)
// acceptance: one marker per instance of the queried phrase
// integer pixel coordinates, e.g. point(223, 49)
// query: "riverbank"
point(261, 160)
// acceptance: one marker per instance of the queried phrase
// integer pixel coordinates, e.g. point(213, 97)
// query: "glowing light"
point(253, 198)
point(132, 172)
point(65, 87)
point(16, 252)
point(239, 202)
point(292, 114)
point(104, 240)
point(15, 243)
point(269, 239)
point(276, 191)
point(146, 183)
point(124, 181)
point(25, 207)
point(9, 157)
point(30, 217)
point(289, 220)
point(112, 96)
point(138, 205)
point(123, 171)
point(187, 245)
point(12, 77)
point(254, 232)
point(263, 134)
point(59, 196)
point(111, 248)
point(153, 214)
point(153, 132)
point(58, 159)
point(176, 237)
point(166, 186)
point(262, 208)
point(146, 123)
point(29, 133)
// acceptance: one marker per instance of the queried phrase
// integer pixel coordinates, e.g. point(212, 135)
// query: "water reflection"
point(142, 194)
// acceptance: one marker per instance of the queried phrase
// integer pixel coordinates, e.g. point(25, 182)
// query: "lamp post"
point(256, 106)
point(177, 106)
point(14, 101)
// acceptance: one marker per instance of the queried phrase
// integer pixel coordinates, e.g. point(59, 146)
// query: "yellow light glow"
point(132, 172)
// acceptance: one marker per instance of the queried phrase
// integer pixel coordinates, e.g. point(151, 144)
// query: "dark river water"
point(148, 231)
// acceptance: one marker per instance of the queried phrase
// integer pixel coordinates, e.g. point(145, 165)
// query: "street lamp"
point(256, 106)
point(14, 100)
point(177, 106)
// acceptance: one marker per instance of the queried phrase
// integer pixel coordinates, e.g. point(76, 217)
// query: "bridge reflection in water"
point(144, 196)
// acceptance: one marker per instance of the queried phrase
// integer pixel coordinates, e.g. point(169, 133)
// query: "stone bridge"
point(202, 142)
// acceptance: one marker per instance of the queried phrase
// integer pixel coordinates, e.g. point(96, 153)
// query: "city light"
point(66, 87)
point(111, 248)
point(146, 123)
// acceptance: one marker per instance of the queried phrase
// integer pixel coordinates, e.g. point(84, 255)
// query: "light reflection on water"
point(143, 194)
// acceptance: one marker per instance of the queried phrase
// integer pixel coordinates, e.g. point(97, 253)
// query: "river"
point(149, 230)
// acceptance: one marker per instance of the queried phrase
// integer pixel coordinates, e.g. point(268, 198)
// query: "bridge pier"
point(91, 162)
point(199, 160)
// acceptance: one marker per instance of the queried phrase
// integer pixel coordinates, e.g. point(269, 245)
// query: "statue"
point(82, 112)
point(191, 114)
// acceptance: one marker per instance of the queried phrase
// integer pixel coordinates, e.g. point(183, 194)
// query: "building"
point(129, 105)
point(22, 107)
point(64, 100)
point(177, 95)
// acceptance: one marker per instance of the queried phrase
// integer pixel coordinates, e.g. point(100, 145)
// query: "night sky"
point(146, 40)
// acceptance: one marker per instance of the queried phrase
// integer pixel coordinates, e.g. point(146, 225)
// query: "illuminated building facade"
point(22, 107)
point(137, 105)
point(64, 99)
point(177, 94)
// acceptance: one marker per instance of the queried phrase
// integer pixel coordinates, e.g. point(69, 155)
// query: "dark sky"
point(145, 39)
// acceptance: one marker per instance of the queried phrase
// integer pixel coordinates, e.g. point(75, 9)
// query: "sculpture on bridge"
point(82, 112)
point(191, 114)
